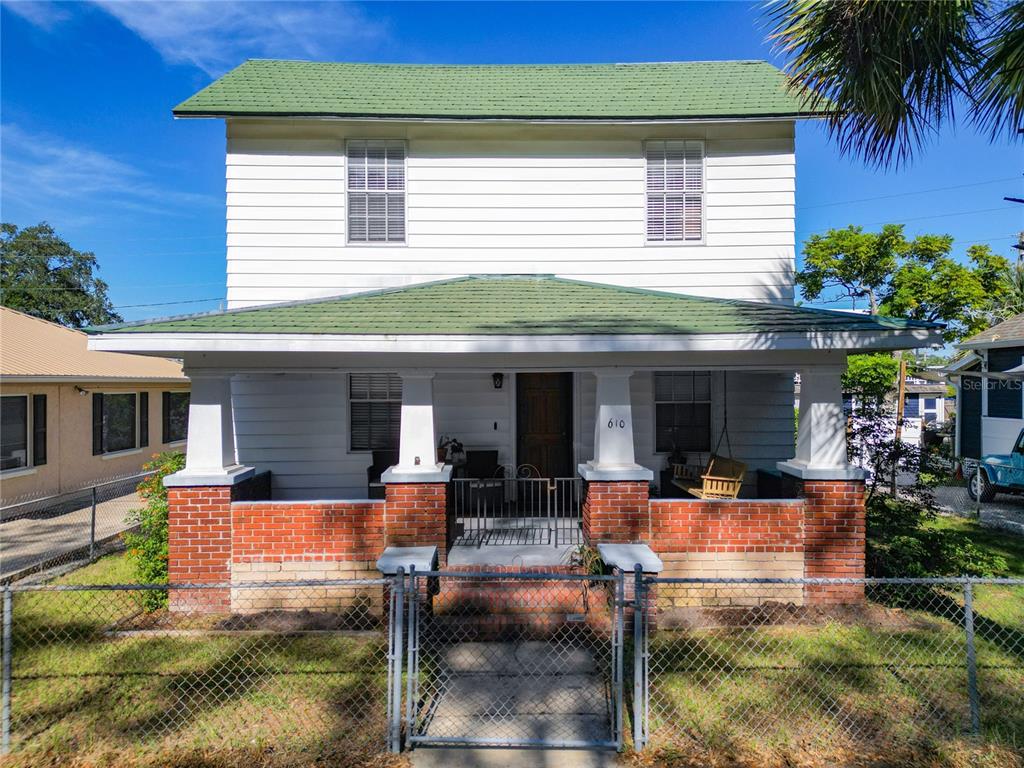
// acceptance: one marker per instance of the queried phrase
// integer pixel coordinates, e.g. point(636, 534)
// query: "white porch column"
point(614, 458)
point(417, 444)
point(210, 457)
point(821, 437)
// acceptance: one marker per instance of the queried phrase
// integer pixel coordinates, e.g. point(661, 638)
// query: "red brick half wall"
point(616, 511)
point(416, 515)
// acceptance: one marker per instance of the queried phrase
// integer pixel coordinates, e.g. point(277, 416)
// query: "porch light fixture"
point(498, 379)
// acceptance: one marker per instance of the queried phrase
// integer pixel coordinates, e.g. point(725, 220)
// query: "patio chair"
point(381, 461)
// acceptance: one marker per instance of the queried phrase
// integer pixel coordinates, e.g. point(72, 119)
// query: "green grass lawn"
point(88, 675)
point(1010, 546)
point(890, 689)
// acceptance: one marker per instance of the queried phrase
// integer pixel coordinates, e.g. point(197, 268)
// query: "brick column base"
point(416, 515)
point(616, 511)
point(199, 541)
point(834, 534)
point(199, 547)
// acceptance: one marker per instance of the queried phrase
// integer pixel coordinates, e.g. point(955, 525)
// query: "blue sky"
point(89, 144)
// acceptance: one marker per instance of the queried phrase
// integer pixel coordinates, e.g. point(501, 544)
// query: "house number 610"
point(612, 423)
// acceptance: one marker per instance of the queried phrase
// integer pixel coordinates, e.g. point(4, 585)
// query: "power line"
point(935, 216)
point(168, 303)
point(907, 194)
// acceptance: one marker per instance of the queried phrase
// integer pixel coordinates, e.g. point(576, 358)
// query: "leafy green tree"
point(859, 263)
point(1011, 301)
point(888, 75)
point(42, 275)
point(918, 278)
point(871, 377)
point(930, 285)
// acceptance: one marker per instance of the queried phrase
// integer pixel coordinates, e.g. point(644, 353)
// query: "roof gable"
point(667, 90)
point(515, 305)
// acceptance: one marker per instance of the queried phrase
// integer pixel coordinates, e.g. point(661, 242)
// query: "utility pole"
point(901, 396)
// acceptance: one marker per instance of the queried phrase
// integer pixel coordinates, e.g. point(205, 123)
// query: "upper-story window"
point(376, 191)
point(675, 191)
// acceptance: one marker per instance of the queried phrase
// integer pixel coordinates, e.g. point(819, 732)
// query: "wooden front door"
point(544, 422)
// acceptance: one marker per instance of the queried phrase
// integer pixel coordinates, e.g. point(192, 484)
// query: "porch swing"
point(722, 478)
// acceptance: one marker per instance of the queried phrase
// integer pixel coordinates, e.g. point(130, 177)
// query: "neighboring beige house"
point(72, 417)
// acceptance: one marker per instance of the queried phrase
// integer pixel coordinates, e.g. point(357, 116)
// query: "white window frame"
point(137, 448)
point(404, 192)
point(29, 466)
point(662, 243)
point(654, 410)
point(349, 400)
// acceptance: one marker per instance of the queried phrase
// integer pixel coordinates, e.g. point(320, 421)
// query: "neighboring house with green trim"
point(570, 271)
point(988, 382)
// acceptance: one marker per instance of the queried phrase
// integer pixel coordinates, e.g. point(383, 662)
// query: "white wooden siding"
point(296, 425)
point(500, 201)
point(761, 426)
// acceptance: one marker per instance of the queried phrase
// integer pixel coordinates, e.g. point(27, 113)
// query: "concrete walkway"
point(1005, 511)
point(430, 757)
point(38, 538)
point(506, 692)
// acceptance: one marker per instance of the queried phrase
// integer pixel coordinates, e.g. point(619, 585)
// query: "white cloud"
point(216, 36)
point(42, 173)
point(44, 15)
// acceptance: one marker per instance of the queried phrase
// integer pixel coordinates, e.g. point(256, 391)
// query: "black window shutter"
point(38, 430)
point(97, 423)
point(143, 419)
point(165, 413)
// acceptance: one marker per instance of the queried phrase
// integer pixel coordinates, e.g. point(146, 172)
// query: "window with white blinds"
point(675, 191)
point(376, 191)
point(375, 411)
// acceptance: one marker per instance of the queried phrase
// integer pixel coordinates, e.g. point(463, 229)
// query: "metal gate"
point(514, 659)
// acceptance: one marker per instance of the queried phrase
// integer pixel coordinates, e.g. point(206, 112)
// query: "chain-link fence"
point(811, 669)
point(297, 667)
point(833, 666)
point(43, 533)
point(515, 659)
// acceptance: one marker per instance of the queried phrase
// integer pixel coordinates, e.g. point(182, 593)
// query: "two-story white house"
point(570, 272)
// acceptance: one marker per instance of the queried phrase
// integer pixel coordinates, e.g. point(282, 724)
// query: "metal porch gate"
point(514, 659)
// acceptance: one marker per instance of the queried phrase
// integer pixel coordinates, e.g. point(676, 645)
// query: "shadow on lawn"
point(230, 691)
point(815, 687)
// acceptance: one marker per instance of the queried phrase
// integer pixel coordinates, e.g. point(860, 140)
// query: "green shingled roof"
point(687, 89)
point(519, 305)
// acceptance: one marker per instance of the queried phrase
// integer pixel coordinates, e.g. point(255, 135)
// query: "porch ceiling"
point(517, 305)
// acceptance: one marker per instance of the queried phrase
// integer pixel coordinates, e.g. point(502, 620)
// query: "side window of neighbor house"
point(175, 416)
point(22, 431)
point(1004, 396)
point(375, 411)
point(376, 191)
point(120, 421)
point(675, 191)
point(912, 407)
point(682, 411)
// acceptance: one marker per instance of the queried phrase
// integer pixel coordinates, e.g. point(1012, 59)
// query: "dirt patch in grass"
point(866, 614)
point(959, 754)
point(276, 621)
point(196, 758)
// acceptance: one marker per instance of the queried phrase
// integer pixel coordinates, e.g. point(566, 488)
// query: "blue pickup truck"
point(999, 473)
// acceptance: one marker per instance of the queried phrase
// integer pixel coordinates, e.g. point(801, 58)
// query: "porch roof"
point(520, 305)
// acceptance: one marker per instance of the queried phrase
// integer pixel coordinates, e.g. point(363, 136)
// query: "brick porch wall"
point(615, 511)
point(416, 515)
point(835, 537)
point(726, 538)
point(199, 546)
